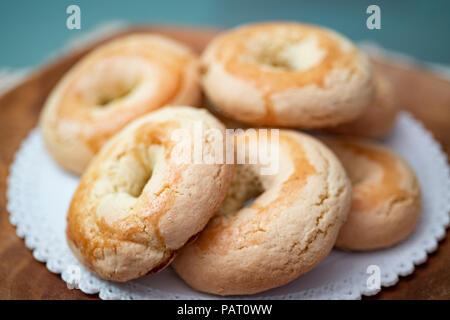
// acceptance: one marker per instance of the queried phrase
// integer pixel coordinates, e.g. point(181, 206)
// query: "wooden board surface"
point(22, 277)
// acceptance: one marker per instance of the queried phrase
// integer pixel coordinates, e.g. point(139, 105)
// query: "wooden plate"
point(22, 277)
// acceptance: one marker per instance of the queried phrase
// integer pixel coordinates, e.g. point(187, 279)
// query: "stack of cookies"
point(127, 118)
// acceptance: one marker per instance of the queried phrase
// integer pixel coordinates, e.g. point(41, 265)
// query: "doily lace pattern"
point(39, 194)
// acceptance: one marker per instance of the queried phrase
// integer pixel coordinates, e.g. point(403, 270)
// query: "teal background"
point(31, 29)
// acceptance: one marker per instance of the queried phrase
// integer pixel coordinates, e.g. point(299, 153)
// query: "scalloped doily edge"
point(432, 247)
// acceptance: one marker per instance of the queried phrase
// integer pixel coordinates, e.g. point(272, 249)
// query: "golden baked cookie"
point(138, 202)
point(111, 86)
point(379, 116)
point(287, 74)
point(289, 228)
point(386, 195)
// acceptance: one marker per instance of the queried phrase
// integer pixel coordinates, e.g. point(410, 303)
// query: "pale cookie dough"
point(116, 83)
point(386, 195)
point(289, 228)
point(139, 202)
point(287, 74)
point(379, 116)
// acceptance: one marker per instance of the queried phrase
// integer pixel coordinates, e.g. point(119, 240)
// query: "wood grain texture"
point(22, 277)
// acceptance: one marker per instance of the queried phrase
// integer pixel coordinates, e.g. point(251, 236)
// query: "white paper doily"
point(39, 194)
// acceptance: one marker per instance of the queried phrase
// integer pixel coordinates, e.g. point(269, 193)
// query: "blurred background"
point(32, 30)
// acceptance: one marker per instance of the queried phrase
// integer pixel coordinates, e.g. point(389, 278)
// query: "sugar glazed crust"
point(379, 117)
point(137, 204)
point(289, 228)
point(287, 74)
point(386, 201)
point(110, 87)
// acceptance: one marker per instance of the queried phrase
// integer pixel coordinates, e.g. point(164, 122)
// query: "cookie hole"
point(111, 80)
point(249, 202)
point(286, 51)
point(110, 97)
point(244, 189)
point(274, 59)
point(134, 169)
point(140, 185)
point(129, 173)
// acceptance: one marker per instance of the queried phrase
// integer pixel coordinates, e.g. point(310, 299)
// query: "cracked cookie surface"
point(110, 87)
point(386, 195)
point(137, 204)
point(286, 74)
point(290, 226)
point(380, 115)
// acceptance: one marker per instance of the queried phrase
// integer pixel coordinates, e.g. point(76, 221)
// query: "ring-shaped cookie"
point(289, 228)
point(138, 202)
point(379, 116)
point(386, 201)
point(111, 86)
point(287, 74)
